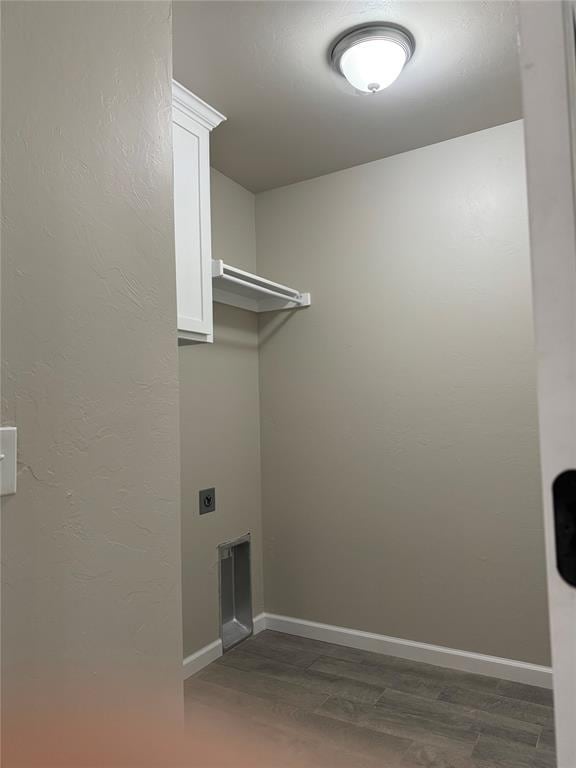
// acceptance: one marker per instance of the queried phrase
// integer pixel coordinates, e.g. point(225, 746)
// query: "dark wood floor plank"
point(283, 640)
point(459, 739)
point(431, 709)
point(296, 736)
point(499, 705)
point(544, 760)
point(478, 720)
point(507, 755)
point(507, 728)
point(299, 731)
point(419, 669)
point(426, 756)
point(262, 686)
point(430, 672)
point(525, 692)
point(451, 724)
point(444, 675)
point(385, 746)
point(291, 654)
point(376, 675)
point(321, 648)
point(233, 701)
point(547, 739)
point(414, 668)
point(310, 679)
point(338, 707)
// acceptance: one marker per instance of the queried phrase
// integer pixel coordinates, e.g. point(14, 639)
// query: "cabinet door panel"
point(192, 226)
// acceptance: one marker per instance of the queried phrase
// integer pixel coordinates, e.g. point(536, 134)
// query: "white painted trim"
point(191, 105)
point(466, 661)
point(197, 661)
point(547, 67)
point(200, 659)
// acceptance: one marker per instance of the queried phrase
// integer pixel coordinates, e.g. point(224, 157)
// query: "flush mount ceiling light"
point(372, 57)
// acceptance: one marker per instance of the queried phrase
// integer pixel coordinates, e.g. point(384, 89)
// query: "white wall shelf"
point(247, 291)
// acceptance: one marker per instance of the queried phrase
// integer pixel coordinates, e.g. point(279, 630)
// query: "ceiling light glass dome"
point(372, 57)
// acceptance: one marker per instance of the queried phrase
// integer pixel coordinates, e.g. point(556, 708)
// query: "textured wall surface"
point(400, 455)
point(220, 429)
point(91, 541)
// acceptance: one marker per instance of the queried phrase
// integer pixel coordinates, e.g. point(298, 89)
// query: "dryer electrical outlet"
point(8, 467)
point(207, 500)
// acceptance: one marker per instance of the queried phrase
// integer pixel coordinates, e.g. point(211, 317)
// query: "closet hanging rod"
point(295, 298)
point(234, 286)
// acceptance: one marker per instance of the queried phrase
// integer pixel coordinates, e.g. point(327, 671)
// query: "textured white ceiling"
point(264, 64)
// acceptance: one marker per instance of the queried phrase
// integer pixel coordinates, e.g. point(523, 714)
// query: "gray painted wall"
point(220, 428)
point(91, 542)
point(399, 439)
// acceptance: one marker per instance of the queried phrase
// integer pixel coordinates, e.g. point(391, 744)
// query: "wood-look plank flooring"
point(378, 710)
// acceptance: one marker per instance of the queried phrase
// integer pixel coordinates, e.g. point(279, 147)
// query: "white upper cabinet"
point(193, 120)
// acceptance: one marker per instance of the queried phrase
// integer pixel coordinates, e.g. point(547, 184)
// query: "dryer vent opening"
point(235, 592)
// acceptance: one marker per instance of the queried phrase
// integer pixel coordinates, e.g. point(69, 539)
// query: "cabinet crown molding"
point(194, 107)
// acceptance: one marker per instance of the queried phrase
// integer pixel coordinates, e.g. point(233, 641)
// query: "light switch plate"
point(8, 447)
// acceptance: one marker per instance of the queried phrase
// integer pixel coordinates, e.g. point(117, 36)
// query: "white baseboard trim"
point(197, 661)
point(200, 659)
point(466, 661)
point(259, 623)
